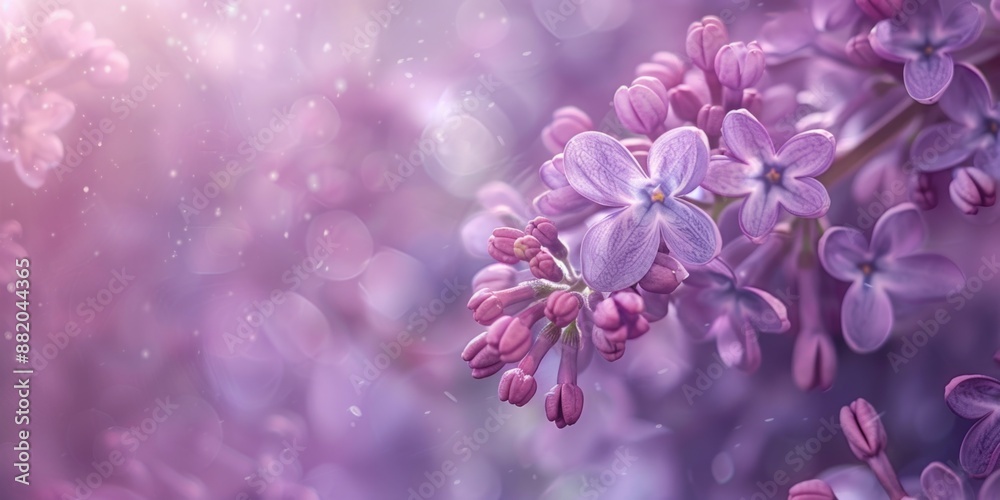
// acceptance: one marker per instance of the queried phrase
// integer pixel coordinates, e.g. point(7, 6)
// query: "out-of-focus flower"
point(566, 123)
point(642, 107)
point(888, 266)
point(704, 39)
point(770, 181)
point(977, 397)
point(921, 191)
point(619, 250)
point(28, 125)
point(665, 67)
point(924, 44)
point(740, 65)
point(972, 188)
point(995, 7)
point(561, 198)
point(941, 483)
point(880, 9)
point(813, 489)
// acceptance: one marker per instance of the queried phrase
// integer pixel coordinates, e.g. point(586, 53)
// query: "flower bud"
point(921, 191)
point(642, 108)
point(813, 489)
point(620, 316)
point(486, 307)
point(863, 429)
point(564, 404)
point(880, 9)
point(665, 276)
point(544, 266)
point(814, 361)
point(566, 123)
point(501, 244)
point(972, 188)
point(495, 277)
point(562, 307)
point(526, 247)
point(752, 101)
point(704, 39)
point(548, 235)
point(611, 351)
point(685, 103)
point(859, 51)
point(665, 67)
point(517, 387)
point(740, 65)
point(553, 174)
point(710, 119)
point(561, 201)
point(510, 337)
point(482, 358)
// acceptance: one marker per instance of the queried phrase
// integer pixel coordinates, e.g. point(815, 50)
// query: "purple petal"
point(737, 344)
point(619, 250)
point(973, 396)
point(866, 317)
point(759, 214)
point(763, 311)
point(808, 154)
point(841, 251)
point(942, 146)
point(746, 139)
point(698, 309)
point(981, 447)
point(561, 201)
point(679, 159)
point(941, 483)
point(899, 232)
point(920, 277)
point(988, 159)
point(690, 234)
point(927, 77)
point(962, 27)
point(601, 169)
point(552, 173)
point(968, 96)
point(805, 197)
point(732, 178)
point(894, 42)
point(991, 487)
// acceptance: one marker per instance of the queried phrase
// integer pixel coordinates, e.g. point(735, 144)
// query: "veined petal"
point(805, 197)
point(899, 232)
point(759, 213)
point(973, 396)
point(927, 77)
point(942, 146)
point(968, 96)
point(808, 154)
point(679, 159)
point(746, 139)
point(602, 170)
point(866, 317)
point(981, 447)
point(841, 251)
point(619, 250)
point(729, 177)
point(920, 277)
point(690, 234)
point(962, 27)
point(763, 311)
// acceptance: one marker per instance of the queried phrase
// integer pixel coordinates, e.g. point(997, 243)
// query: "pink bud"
point(665, 67)
point(740, 65)
point(544, 266)
point(611, 351)
point(501, 244)
point(921, 191)
point(859, 51)
point(482, 358)
point(813, 489)
point(510, 337)
point(526, 247)
point(495, 277)
point(814, 361)
point(562, 307)
point(486, 306)
point(972, 188)
point(685, 103)
point(704, 39)
point(548, 235)
point(564, 404)
point(863, 429)
point(517, 387)
point(620, 316)
point(642, 107)
point(665, 276)
point(710, 119)
point(566, 123)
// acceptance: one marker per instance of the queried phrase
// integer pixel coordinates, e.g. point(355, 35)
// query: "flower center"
point(928, 49)
point(773, 175)
point(657, 195)
point(866, 268)
point(994, 127)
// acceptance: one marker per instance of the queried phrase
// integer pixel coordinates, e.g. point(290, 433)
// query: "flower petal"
point(619, 250)
point(737, 344)
point(866, 317)
point(968, 96)
point(899, 232)
point(679, 159)
point(601, 169)
point(990, 489)
point(896, 42)
point(561, 201)
point(962, 27)
point(973, 396)
point(841, 251)
point(746, 139)
point(763, 311)
point(805, 197)
point(690, 234)
point(942, 146)
point(47, 112)
point(941, 483)
point(759, 213)
point(981, 447)
point(808, 154)
point(697, 310)
point(729, 177)
point(921, 277)
point(927, 77)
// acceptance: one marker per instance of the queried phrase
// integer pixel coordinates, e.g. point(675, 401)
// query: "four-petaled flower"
point(770, 180)
point(977, 397)
point(924, 43)
point(619, 250)
point(28, 122)
point(888, 266)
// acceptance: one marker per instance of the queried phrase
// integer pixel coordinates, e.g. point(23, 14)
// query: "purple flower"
point(977, 397)
point(642, 107)
point(888, 266)
point(619, 250)
point(28, 122)
point(561, 197)
point(770, 180)
point(566, 123)
point(941, 483)
point(740, 65)
point(665, 67)
point(972, 188)
point(973, 129)
point(924, 43)
point(704, 39)
point(813, 489)
point(517, 387)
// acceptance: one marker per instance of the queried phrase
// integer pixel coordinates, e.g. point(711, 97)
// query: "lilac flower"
point(740, 65)
point(973, 129)
point(28, 123)
point(642, 107)
point(866, 436)
point(566, 123)
point(770, 180)
point(941, 483)
point(619, 250)
point(977, 397)
point(890, 265)
point(925, 43)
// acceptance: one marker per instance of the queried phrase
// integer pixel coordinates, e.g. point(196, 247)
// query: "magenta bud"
point(566, 123)
point(710, 119)
point(482, 358)
point(863, 429)
point(972, 188)
point(611, 351)
point(510, 337)
point(544, 266)
point(859, 51)
point(921, 191)
point(546, 233)
point(665, 276)
point(880, 9)
point(813, 489)
point(501, 244)
point(486, 306)
point(487, 371)
point(642, 107)
point(527, 247)
point(665, 67)
point(739, 65)
point(564, 404)
point(562, 307)
point(814, 361)
point(620, 316)
point(704, 39)
point(517, 387)
point(495, 277)
point(752, 101)
point(685, 103)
